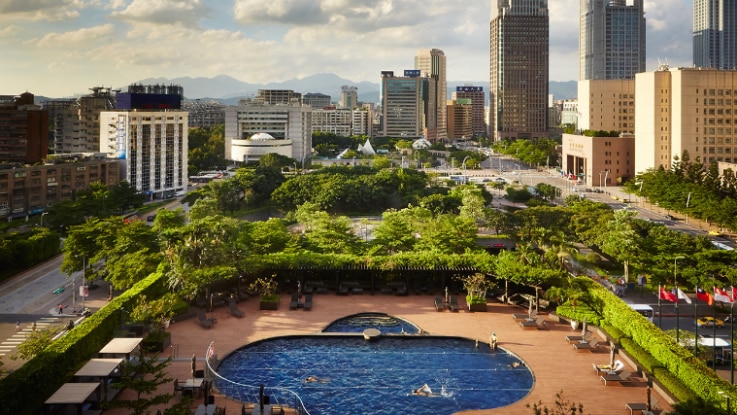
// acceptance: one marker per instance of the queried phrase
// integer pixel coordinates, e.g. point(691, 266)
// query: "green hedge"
point(673, 365)
point(43, 375)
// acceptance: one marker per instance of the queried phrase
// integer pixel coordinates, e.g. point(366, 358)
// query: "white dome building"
point(421, 144)
point(259, 145)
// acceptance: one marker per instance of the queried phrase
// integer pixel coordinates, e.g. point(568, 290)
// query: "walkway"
point(555, 364)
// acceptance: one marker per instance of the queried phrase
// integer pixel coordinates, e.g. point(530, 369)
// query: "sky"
point(62, 48)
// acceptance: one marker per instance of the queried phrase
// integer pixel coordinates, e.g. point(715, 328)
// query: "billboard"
point(469, 89)
point(412, 73)
point(128, 101)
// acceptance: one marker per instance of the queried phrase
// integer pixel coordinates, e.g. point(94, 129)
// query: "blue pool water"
point(359, 377)
point(357, 323)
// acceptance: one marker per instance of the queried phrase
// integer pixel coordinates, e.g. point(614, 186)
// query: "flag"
point(704, 296)
point(682, 296)
point(721, 295)
point(667, 295)
point(734, 293)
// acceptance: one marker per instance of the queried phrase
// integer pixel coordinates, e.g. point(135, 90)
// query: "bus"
point(644, 309)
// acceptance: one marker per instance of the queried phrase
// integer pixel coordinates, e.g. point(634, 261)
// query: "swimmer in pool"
point(423, 391)
point(311, 379)
point(515, 365)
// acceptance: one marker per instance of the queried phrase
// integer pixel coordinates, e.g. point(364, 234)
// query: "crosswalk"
point(8, 346)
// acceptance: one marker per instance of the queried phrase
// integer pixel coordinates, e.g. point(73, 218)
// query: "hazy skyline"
point(60, 48)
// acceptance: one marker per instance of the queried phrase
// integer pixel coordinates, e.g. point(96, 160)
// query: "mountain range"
point(228, 90)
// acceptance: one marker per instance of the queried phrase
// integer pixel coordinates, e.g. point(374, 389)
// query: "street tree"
point(619, 240)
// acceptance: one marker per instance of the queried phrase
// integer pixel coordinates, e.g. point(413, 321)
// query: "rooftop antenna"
point(663, 66)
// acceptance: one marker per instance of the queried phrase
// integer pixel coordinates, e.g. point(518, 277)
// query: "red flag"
point(667, 295)
point(734, 293)
point(704, 296)
point(721, 295)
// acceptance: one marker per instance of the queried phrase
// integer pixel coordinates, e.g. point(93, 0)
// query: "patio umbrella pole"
point(731, 343)
point(696, 331)
point(714, 348)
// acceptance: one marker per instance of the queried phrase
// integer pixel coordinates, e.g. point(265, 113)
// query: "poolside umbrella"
point(612, 349)
point(446, 295)
point(529, 311)
point(194, 365)
point(583, 328)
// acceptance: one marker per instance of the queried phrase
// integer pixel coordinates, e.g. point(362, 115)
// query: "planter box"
point(268, 305)
point(477, 307)
point(157, 346)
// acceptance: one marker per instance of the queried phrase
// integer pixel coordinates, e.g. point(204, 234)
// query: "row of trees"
point(693, 188)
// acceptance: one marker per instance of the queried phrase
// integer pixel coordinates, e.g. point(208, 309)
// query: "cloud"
point(40, 9)
point(184, 12)
point(68, 39)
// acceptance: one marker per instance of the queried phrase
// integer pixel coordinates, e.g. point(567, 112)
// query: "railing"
point(252, 394)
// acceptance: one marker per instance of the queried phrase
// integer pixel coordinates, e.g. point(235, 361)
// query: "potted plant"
point(266, 287)
point(157, 315)
point(476, 286)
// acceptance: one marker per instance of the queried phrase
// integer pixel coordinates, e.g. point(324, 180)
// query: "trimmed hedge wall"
point(673, 365)
point(43, 375)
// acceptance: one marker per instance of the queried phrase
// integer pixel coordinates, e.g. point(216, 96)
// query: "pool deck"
point(556, 365)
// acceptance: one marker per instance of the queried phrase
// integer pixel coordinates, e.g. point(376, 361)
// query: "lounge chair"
point(520, 316)
point(294, 303)
point(439, 304)
point(206, 322)
point(234, 310)
point(614, 369)
point(593, 344)
point(177, 386)
point(574, 338)
point(343, 289)
point(636, 408)
point(623, 377)
point(453, 306)
point(307, 306)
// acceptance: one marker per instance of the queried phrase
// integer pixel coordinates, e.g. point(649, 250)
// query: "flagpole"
point(678, 319)
point(713, 348)
point(696, 320)
point(731, 342)
point(660, 309)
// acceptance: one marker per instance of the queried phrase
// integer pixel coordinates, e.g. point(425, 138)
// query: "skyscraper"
point(611, 39)
point(715, 34)
point(431, 63)
point(402, 104)
point(519, 38)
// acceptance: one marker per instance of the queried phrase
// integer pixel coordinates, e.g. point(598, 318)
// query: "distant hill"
point(229, 90)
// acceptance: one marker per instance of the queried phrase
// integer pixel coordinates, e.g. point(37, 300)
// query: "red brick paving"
point(555, 364)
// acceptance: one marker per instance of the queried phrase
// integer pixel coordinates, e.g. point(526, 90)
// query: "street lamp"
point(42, 218)
point(729, 401)
point(675, 281)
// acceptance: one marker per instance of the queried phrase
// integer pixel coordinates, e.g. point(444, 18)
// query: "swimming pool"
point(355, 377)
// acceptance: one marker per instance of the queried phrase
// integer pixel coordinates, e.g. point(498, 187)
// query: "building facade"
point(607, 105)
point(316, 100)
point(460, 119)
point(402, 109)
point(599, 161)
point(277, 96)
point(349, 97)
point(289, 126)
point(715, 34)
point(518, 96)
point(24, 130)
point(363, 120)
point(332, 120)
point(153, 147)
point(204, 114)
point(26, 191)
point(432, 65)
point(611, 39)
point(691, 110)
point(478, 103)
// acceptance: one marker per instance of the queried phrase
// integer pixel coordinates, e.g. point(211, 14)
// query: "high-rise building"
point(153, 145)
point(76, 123)
point(715, 34)
point(607, 105)
point(478, 100)
point(316, 100)
point(611, 39)
point(24, 129)
point(431, 63)
point(460, 126)
point(402, 108)
point(276, 96)
point(518, 96)
point(349, 97)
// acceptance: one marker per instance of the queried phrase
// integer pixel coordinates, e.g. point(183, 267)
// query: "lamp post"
point(84, 281)
point(600, 178)
point(729, 401)
point(42, 218)
point(675, 281)
point(606, 177)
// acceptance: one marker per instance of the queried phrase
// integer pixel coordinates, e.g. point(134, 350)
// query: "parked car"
point(500, 180)
point(710, 322)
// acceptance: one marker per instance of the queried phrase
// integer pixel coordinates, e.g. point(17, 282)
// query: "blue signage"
point(412, 73)
point(469, 89)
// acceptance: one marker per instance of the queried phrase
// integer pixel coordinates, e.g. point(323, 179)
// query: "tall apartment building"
point(607, 105)
point(611, 39)
point(153, 146)
point(204, 114)
point(316, 100)
point(519, 40)
point(363, 120)
point(715, 34)
point(24, 129)
point(253, 129)
point(348, 97)
point(460, 116)
point(432, 64)
point(76, 123)
point(690, 110)
point(402, 104)
point(478, 101)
